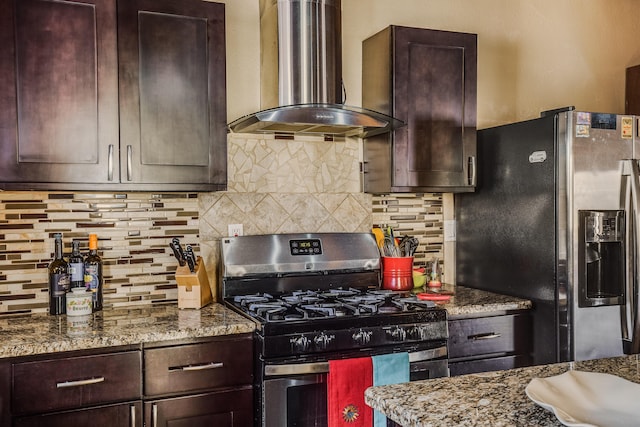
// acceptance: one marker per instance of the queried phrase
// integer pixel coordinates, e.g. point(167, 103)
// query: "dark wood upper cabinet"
point(106, 95)
point(172, 92)
point(426, 78)
point(632, 90)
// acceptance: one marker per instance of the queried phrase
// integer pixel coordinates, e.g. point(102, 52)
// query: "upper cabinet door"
point(426, 78)
point(106, 95)
point(172, 92)
point(58, 92)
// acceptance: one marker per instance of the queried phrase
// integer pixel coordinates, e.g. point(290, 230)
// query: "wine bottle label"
point(91, 279)
point(60, 284)
point(76, 271)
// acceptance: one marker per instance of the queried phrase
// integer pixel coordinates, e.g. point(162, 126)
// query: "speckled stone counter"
point(486, 399)
point(469, 302)
point(41, 333)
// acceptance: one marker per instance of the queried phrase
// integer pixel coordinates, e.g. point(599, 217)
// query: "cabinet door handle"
point(154, 415)
point(129, 154)
point(488, 336)
point(472, 173)
point(78, 383)
point(132, 411)
point(110, 163)
point(212, 365)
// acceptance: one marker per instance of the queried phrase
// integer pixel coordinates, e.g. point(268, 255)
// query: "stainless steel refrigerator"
point(554, 220)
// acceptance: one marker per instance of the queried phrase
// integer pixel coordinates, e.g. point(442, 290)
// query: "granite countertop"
point(485, 399)
point(40, 333)
point(470, 302)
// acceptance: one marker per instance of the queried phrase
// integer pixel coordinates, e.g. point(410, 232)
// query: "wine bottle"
point(76, 266)
point(58, 279)
point(93, 273)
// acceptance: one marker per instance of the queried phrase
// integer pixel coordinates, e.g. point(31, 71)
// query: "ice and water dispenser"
point(601, 260)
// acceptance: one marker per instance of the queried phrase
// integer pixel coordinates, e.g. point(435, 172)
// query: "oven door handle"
point(430, 354)
point(323, 367)
point(296, 369)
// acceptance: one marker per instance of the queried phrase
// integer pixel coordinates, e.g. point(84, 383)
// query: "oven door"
point(296, 394)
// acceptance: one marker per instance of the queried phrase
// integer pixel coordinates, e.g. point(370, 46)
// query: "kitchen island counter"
point(41, 333)
point(486, 399)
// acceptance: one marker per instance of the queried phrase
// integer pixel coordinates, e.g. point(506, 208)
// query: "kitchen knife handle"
point(191, 259)
point(178, 246)
point(176, 253)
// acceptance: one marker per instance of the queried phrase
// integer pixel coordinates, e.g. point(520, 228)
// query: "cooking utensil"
point(408, 245)
point(390, 249)
point(379, 234)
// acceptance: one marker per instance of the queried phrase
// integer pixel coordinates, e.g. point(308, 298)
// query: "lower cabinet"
point(124, 414)
point(232, 408)
point(490, 343)
point(199, 382)
point(76, 389)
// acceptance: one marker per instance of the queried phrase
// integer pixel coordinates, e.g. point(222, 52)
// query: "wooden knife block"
point(193, 288)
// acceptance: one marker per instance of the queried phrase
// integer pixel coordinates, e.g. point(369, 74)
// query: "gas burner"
point(333, 309)
point(413, 303)
point(390, 304)
point(301, 298)
point(338, 293)
point(331, 303)
point(252, 299)
point(265, 310)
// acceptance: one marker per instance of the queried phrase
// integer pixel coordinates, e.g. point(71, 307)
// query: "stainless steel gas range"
point(316, 297)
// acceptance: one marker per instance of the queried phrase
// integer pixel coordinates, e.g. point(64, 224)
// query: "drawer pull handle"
point(80, 382)
point(489, 336)
point(212, 365)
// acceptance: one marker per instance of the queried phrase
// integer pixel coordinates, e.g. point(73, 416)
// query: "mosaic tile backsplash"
point(272, 189)
point(134, 230)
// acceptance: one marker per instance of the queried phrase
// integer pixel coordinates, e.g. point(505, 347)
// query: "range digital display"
point(305, 247)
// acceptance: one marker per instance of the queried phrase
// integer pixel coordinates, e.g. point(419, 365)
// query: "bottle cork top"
point(93, 241)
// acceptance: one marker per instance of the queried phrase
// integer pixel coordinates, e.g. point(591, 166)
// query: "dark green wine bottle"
point(76, 266)
point(58, 279)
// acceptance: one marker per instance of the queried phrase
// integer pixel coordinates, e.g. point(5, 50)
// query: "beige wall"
point(532, 54)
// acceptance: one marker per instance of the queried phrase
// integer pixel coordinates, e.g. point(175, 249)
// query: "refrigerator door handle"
point(630, 311)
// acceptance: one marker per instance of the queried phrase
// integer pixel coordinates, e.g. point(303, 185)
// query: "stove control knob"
point(362, 337)
point(300, 344)
point(414, 333)
point(397, 333)
point(322, 341)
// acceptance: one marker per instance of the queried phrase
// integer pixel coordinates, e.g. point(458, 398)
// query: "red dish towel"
point(346, 383)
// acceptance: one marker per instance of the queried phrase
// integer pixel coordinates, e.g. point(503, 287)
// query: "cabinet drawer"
point(193, 367)
point(487, 335)
point(74, 382)
point(491, 364)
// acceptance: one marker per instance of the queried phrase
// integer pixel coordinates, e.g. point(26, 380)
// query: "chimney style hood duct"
point(301, 74)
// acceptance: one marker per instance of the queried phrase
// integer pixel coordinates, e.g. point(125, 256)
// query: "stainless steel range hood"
point(301, 75)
